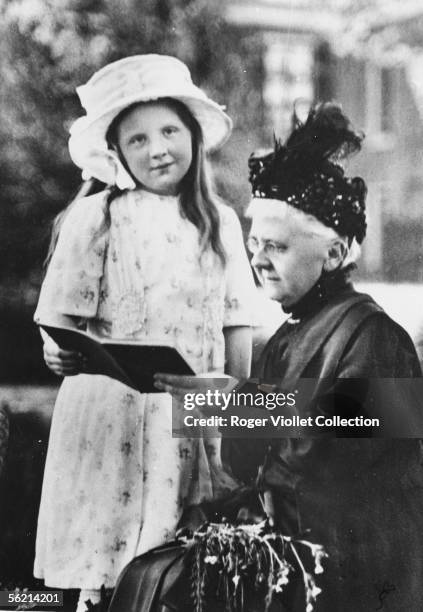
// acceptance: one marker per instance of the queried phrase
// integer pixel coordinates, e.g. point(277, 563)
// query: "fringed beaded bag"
point(224, 567)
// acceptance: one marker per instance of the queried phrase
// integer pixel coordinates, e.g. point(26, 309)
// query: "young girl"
point(153, 256)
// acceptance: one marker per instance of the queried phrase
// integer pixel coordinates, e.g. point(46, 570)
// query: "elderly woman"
point(361, 498)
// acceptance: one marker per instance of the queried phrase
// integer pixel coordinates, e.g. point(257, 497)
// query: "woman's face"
point(288, 259)
point(157, 147)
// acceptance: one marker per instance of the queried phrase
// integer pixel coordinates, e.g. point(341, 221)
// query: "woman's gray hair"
point(311, 225)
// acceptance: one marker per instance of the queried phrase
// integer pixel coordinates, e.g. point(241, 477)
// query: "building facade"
point(313, 51)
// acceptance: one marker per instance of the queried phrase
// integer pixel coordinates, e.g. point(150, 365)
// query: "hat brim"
point(87, 142)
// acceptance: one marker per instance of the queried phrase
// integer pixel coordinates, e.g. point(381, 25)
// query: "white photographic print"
point(211, 335)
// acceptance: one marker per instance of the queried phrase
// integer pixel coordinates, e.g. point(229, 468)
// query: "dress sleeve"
point(379, 348)
point(379, 376)
point(240, 290)
point(71, 285)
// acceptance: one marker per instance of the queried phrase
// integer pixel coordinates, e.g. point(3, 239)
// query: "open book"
point(132, 362)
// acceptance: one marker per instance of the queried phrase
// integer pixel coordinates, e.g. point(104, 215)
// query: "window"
point(380, 105)
point(288, 65)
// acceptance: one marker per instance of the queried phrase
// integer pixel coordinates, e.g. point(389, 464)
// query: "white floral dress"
point(115, 480)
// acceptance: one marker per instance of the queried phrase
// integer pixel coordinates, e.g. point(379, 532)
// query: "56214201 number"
point(39, 598)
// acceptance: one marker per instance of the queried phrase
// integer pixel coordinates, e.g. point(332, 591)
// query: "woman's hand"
point(61, 362)
point(179, 386)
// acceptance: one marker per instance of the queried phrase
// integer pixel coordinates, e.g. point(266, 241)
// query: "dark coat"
point(361, 498)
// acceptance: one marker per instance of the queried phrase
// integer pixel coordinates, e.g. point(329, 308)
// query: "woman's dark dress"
point(361, 498)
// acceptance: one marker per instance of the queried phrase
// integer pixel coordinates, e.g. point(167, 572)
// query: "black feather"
point(326, 133)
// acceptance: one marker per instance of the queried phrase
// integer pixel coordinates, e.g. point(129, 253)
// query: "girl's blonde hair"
point(86, 189)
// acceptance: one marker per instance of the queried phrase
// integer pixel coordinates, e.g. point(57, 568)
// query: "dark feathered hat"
point(306, 172)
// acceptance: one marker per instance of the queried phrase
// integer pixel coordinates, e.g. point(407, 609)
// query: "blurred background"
point(256, 56)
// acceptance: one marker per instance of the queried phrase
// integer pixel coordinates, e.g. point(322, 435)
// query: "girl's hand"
point(178, 386)
point(61, 362)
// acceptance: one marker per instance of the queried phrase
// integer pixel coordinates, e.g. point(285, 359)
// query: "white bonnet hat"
point(139, 78)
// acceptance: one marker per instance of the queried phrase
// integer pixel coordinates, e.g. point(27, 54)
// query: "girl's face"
point(157, 147)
